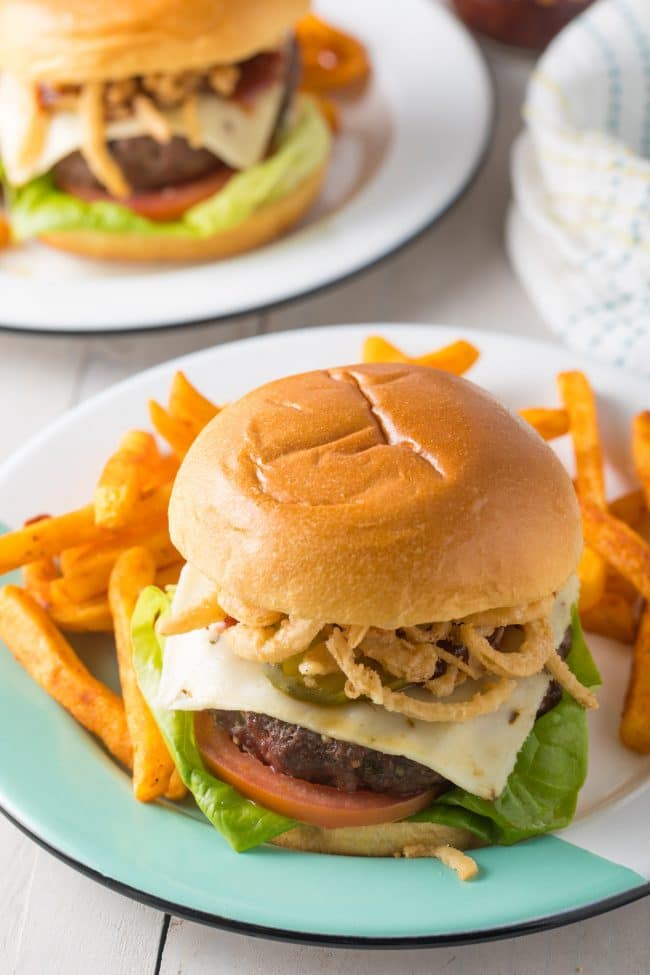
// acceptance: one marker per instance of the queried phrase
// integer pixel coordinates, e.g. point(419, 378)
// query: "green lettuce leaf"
point(242, 822)
point(39, 207)
point(542, 790)
point(540, 795)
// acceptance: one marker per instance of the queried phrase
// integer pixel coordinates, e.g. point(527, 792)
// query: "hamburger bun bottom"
point(386, 840)
point(260, 228)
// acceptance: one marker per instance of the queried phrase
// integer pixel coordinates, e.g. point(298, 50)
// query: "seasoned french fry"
point(617, 583)
point(121, 482)
point(169, 575)
point(176, 789)
point(592, 573)
point(330, 57)
point(456, 357)
point(378, 349)
point(549, 423)
point(44, 652)
point(641, 451)
point(93, 616)
point(50, 536)
point(5, 232)
point(580, 405)
point(80, 559)
point(164, 472)
point(152, 764)
point(635, 725)
point(629, 508)
point(186, 403)
point(178, 433)
point(613, 616)
point(88, 576)
point(37, 579)
point(618, 544)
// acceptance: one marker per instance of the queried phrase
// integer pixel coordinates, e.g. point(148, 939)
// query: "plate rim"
point(400, 245)
point(286, 936)
point(543, 923)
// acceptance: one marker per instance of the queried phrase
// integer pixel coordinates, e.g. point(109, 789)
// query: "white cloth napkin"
point(578, 232)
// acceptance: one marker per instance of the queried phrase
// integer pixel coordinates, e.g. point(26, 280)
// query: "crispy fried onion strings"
point(245, 613)
point(492, 618)
point(456, 860)
point(568, 680)
point(528, 660)
point(272, 644)
point(397, 656)
point(362, 680)
point(93, 145)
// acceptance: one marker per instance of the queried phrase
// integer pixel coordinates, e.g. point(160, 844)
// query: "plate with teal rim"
point(59, 786)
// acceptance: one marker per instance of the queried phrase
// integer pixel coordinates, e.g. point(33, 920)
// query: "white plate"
point(408, 148)
point(603, 859)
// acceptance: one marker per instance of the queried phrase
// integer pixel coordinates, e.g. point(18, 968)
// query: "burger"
point(156, 129)
point(374, 647)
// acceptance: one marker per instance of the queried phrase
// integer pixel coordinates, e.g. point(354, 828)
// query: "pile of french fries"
point(84, 570)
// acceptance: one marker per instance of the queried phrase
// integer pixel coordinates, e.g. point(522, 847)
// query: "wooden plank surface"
point(53, 920)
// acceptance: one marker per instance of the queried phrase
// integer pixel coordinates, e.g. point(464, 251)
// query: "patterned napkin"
point(579, 230)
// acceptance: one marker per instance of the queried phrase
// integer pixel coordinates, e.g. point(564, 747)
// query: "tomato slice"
point(169, 203)
point(319, 805)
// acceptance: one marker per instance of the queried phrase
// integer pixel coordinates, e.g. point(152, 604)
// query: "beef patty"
point(146, 164)
point(305, 754)
point(149, 165)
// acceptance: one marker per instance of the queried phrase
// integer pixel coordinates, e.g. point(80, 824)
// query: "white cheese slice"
point(477, 755)
point(238, 136)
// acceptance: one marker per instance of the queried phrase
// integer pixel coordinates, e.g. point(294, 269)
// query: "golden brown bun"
point(384, 495)
point(95, 40)
point(260, 228)
point(375, 841)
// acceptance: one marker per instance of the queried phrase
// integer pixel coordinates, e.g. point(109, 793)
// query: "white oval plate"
point(409, 146)
point(90, 819)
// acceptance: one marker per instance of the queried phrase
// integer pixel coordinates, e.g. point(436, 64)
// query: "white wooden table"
point(53, 921)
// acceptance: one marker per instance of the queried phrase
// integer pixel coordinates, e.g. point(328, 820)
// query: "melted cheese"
point(200, 672)
point(238, 136)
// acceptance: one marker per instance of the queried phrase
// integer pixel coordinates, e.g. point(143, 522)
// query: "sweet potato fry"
point(635, 725)
point(580, 405)
point(88, 576)
point(549, 423)
point(378, 349)
point(5, 232)
point(619, 545)
point(50, 536)
point(641, 451)
point(92, 616)
point(613, 616)
point(121, 481)
point(80, 559)
point(44, 652)
point(456, 357)
point(152, 764)
point(592, 573)
point(186, 403)
point(169, 575)
point(176, 789)
point(629, 508)
point(178, 433)
point(38, 578)
point(164, 472)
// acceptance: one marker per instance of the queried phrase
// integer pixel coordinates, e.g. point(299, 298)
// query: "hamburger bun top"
point(386, 495)
point(75, 41)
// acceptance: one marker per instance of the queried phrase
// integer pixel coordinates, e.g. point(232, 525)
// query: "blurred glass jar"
point(521, 23)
